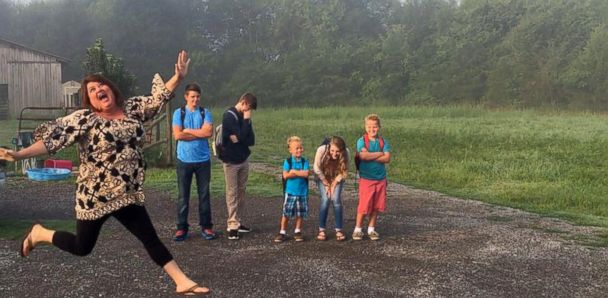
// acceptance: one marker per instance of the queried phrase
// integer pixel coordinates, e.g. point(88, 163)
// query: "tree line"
point(519, 53)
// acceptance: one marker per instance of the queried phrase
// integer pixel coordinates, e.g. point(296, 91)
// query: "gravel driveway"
point(432, 245)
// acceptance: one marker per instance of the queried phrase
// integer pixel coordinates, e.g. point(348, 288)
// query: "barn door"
point(3, 101)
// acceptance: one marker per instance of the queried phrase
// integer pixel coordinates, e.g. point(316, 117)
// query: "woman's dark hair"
point(84, 94)
point(250, 99)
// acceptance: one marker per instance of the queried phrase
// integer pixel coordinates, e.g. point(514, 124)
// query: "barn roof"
point(12, 43)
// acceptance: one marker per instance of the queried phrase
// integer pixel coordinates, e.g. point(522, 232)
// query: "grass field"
point(547, 162)
point(553, 163)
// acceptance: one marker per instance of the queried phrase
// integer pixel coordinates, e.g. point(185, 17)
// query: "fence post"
point(169, 152)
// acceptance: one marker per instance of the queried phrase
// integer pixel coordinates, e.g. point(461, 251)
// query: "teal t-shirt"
point(372, 170)
point(196, 150)
point(296, 186)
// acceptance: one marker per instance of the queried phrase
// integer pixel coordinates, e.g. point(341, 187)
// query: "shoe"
point(298, 237)
point(373, 235)
point(180, 235)
point(233, 234)
point(321, 236)
point(340, 236)
point(357, 235)
point(280, 238)
point(244, 229)
point(208, 234)
point(192, 291)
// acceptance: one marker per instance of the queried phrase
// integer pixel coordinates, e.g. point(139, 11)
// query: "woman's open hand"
point(181, 67)
point(7, 154)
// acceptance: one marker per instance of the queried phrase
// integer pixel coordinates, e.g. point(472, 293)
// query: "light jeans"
point(336, 201)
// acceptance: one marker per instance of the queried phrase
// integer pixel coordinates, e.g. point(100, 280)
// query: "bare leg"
point(299, 221)
point(359, 221)
point(182, 282)
point(284, 223)
point(372, 218)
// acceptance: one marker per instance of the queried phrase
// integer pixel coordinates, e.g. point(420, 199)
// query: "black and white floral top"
point(111, 173)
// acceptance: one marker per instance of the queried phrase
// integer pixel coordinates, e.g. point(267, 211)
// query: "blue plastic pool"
point(48, 174)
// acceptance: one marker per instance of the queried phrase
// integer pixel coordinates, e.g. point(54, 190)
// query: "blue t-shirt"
point(372, 170)
point(196, 150)
point(296, 186)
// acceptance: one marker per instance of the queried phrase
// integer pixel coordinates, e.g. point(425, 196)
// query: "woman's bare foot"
point(27, 243)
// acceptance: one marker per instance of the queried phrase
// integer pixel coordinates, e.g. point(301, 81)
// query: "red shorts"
point(372, 196)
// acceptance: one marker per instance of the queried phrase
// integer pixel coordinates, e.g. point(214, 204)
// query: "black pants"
point(135, 218)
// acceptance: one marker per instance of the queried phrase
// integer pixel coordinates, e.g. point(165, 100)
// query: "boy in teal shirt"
point(373, 151)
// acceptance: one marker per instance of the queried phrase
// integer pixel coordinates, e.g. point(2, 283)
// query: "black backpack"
point(182, 116)
point(303, 161)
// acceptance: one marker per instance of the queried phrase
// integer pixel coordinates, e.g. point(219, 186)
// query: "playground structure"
point(30, 117)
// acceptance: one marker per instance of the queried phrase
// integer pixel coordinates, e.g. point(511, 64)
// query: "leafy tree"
point(98, 61)
point(587, 77)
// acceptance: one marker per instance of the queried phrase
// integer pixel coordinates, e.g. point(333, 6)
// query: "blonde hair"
point(372, 117)
point(293, 139)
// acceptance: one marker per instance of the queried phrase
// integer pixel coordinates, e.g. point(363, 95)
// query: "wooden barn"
point(28, 78)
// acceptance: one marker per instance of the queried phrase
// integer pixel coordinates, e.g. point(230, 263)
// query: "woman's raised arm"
point(181, 70)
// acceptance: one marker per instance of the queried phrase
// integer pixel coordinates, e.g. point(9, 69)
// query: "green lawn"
point(547, 162)
point(553, 163)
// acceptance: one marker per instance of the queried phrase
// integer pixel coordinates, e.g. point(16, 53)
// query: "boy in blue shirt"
point(373, 151)
point(192, 126)
point(295, 179)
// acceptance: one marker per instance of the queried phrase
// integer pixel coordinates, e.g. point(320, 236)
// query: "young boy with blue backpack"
point(295, 190)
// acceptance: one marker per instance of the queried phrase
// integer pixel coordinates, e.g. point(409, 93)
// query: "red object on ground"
point(58, 164)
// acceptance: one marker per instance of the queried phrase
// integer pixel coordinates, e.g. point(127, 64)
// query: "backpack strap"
point(202, 111)
point(380, 141)
point(183, 114)
point(289, 166)
point(233, 114)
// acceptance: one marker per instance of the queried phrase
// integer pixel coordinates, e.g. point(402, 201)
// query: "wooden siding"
point(33, 79)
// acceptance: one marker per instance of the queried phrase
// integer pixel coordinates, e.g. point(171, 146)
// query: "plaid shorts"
point(295, 206)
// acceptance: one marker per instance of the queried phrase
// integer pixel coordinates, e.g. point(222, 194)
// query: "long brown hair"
point(84, 94)
point(332, 168)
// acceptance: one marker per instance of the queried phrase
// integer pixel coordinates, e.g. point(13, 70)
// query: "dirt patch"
point(432, 245)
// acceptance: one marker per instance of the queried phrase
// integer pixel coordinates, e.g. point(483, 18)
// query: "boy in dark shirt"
point(238, 136)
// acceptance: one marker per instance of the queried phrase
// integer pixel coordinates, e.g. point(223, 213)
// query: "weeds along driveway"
point(432, 245)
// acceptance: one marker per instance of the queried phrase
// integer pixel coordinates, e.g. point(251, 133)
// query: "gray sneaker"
point(357, 235)
point(374, 236)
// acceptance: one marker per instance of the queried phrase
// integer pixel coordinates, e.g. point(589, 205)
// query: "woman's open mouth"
point(102, 96)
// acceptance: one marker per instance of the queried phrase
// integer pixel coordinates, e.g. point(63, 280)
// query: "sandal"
point(191, 291)
point(340, 236)
point(321, 236)
point(30, 244)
